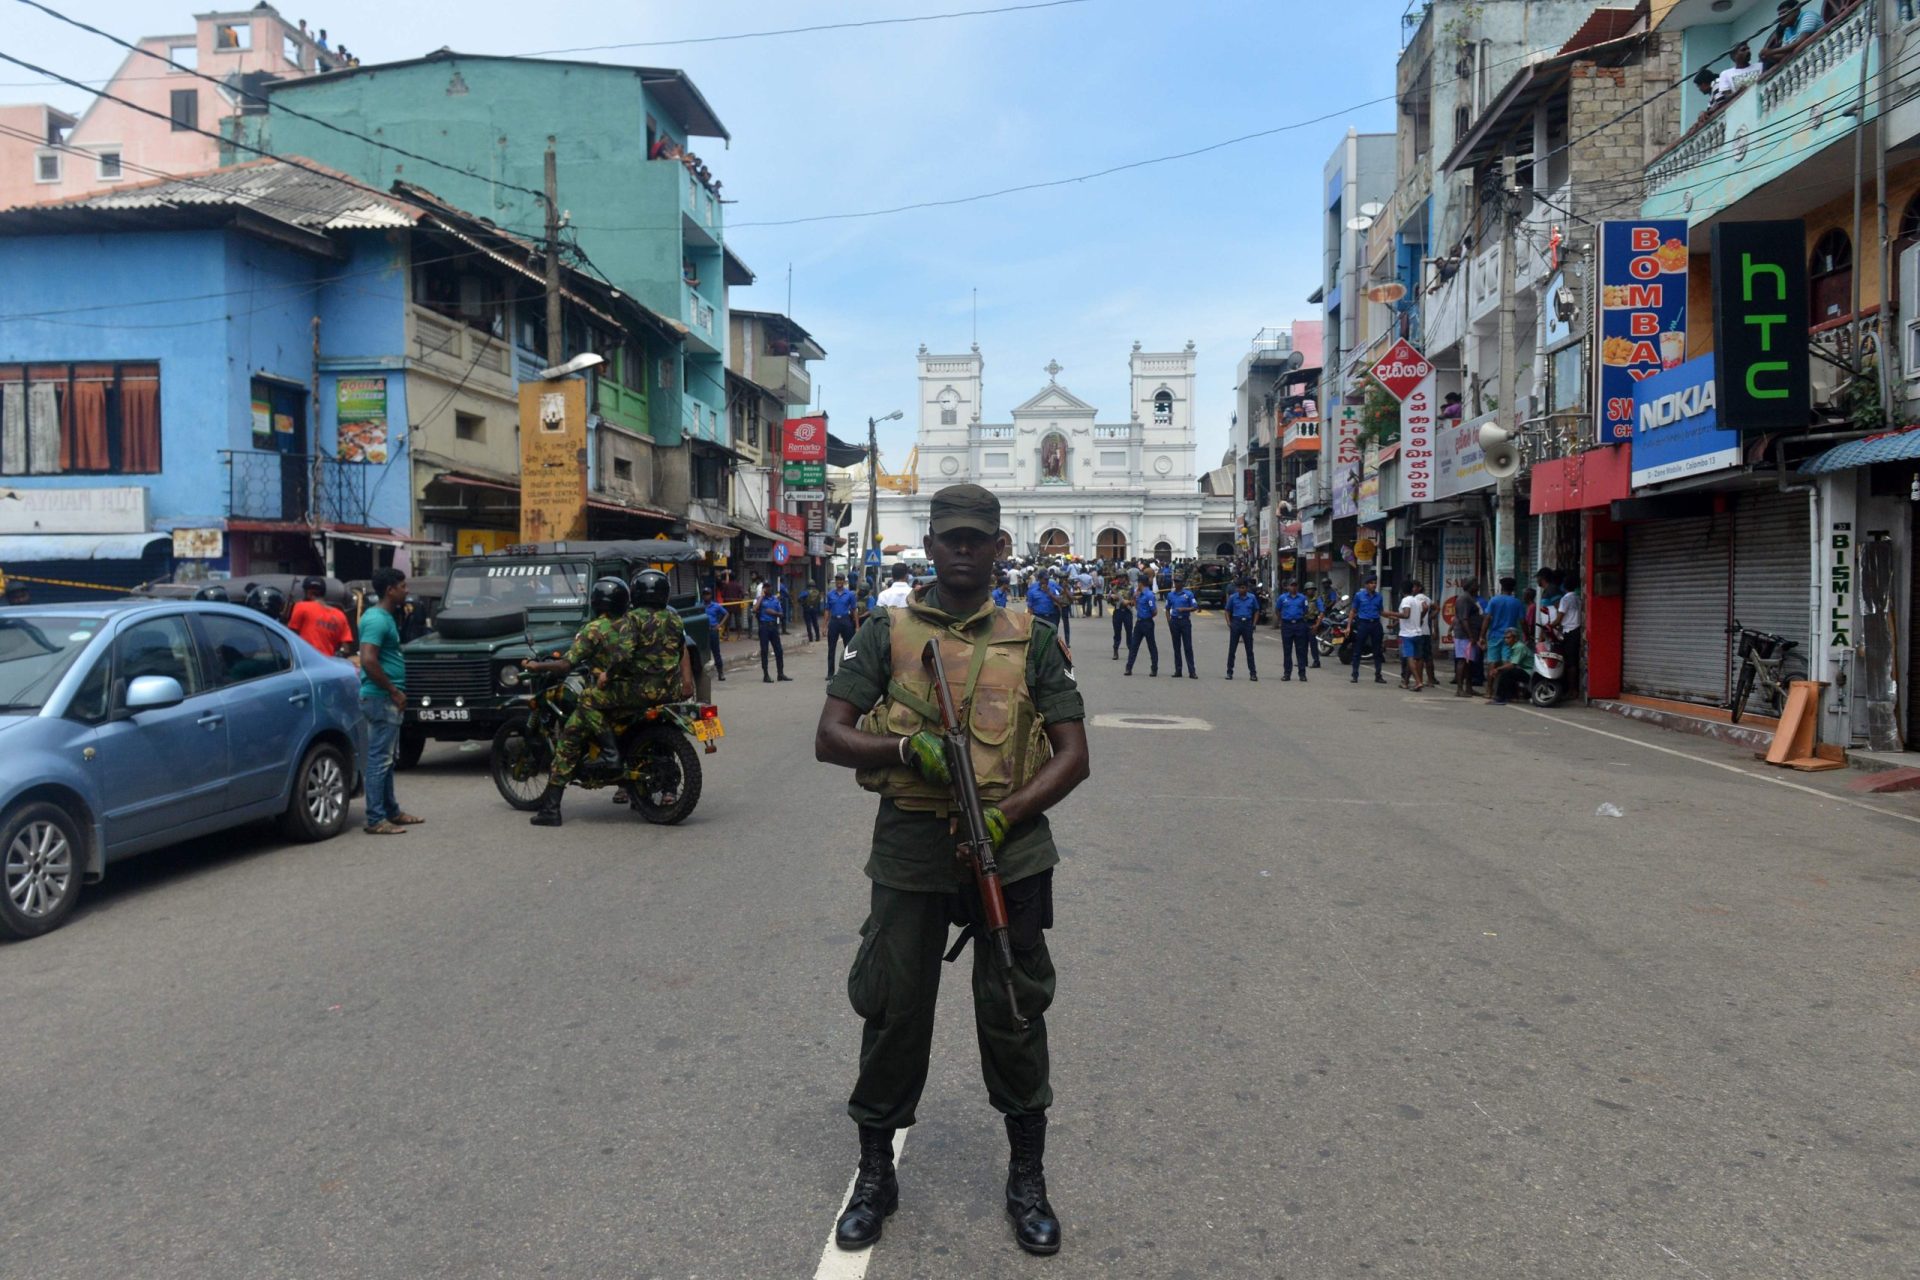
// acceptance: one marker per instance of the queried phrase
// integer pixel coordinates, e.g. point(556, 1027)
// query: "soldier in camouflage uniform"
point(604, 656)
point(1028, 746)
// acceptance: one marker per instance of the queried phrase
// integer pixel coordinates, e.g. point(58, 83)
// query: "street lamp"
point(873, 475)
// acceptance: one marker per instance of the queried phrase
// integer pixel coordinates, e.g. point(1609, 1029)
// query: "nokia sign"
point(1676, 425)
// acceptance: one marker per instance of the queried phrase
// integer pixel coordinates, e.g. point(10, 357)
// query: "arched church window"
point(1163, 409)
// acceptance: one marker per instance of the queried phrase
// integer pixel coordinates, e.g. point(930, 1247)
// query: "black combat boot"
point(609, 761)
point(549, 814)
point(876, 1192)
point(1034, 1225)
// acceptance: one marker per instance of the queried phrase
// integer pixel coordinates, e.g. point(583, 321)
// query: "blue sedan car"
point(136, 724)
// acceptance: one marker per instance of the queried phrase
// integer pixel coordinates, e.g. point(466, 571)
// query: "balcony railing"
point(302, 488)
point(1824, 50)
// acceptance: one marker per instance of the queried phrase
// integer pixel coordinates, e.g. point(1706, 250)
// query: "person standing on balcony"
point(1794, 22)
point(1736, 77)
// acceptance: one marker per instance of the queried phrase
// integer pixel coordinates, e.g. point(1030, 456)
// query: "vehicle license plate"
point(443, 713)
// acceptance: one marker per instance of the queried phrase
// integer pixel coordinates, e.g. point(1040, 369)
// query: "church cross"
point(1053, 370)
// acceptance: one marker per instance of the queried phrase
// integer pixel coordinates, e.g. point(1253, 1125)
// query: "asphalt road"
point(1354, 982)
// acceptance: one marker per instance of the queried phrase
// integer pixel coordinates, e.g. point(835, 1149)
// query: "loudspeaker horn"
point(1502, 453)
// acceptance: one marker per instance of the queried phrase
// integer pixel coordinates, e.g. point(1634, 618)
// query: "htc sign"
point(1760, 325)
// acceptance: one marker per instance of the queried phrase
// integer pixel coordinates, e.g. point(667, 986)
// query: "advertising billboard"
point(1643, 313)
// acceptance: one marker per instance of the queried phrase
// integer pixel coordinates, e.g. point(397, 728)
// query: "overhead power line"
point(685, 40)
point(795, 31)
point(271, 105)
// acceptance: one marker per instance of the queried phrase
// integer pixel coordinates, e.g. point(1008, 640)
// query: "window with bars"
point(68, 419)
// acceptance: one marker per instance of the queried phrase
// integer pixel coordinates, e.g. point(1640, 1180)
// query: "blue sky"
point(1208, 249)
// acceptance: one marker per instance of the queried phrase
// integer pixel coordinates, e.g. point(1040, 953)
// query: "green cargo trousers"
point(894, 985)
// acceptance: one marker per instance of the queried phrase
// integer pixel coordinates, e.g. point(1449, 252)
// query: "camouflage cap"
point(965, 506)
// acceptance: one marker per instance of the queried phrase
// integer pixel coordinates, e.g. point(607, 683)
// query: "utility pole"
point(1504, 515)
point(556, 336)
point(873, 485)
point(1273, 500)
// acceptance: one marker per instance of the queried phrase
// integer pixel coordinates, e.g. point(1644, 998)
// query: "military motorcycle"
point(659, 771)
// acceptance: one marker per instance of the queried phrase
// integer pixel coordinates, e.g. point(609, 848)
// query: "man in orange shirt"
point(317, 622)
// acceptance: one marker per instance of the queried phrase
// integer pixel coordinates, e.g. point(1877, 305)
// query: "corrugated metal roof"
point(1893, 446)
point(272, 188)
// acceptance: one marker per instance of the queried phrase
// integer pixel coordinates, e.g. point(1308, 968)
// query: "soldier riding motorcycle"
point(626, 668)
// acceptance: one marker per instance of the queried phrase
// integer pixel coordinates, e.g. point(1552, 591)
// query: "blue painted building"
point(272, 370)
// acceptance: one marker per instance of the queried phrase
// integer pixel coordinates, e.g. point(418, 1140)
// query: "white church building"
point(1067, 484)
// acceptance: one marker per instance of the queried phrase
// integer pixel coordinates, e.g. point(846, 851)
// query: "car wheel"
point(318, 807)
point(39, 869)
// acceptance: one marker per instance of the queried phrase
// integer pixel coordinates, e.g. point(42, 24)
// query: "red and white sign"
point(805, 439)
point(1402, 369)
point(1419, 419)
point(787, 526)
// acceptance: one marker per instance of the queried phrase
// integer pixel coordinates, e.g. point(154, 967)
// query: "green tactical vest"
point(987, 676)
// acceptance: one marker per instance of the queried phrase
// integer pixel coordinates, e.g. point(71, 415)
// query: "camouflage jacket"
point(603, 646)
point(655, 639)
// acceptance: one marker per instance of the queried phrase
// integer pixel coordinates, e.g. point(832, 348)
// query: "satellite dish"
point(1391, 292)
point(1372, 209)
point(1294, 360)
point(1359, 224)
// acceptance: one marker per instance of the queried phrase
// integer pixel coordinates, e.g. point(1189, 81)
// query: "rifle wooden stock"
point(978, 847)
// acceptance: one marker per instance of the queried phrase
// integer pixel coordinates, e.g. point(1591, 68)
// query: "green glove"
point(926, 754)
point(996, 826)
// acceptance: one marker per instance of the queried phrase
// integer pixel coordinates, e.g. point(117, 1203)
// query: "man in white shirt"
point(1571, 615)
point(1416, 641)
point(1736, 77)
point(898, 592)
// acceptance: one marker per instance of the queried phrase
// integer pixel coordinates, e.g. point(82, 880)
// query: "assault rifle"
point(978, 846)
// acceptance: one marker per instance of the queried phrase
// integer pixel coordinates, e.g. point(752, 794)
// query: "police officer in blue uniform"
point(1145, 605)
point(716, 615)
point(1243, 610)
point(1180, 606)
point(771, 612)
point(841, 603)
point(1366, 627)
point(1296, 629)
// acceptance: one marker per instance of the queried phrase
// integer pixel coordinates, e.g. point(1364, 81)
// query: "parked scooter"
point(1335, 624)
point(1549, 668)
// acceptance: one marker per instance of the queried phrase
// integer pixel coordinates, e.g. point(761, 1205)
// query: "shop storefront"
point(1869, 584)
point(1709, 544)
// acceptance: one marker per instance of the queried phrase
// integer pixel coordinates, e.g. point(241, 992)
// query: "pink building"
point(48, 154)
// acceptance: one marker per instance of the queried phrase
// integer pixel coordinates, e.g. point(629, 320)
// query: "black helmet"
point(609, 595)
point(213, 591)
point(651, 589)
point(271, 601)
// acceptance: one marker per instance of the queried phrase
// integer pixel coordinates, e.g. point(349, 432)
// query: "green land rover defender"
point(463, 676)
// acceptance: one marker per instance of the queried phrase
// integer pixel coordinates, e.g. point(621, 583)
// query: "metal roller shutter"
point(1676, 609)
point(1771, 568)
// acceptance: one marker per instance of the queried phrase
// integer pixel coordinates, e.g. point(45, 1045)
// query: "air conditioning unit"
point(1829, 388)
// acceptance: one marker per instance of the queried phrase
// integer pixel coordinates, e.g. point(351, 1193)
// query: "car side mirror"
point(153, 693)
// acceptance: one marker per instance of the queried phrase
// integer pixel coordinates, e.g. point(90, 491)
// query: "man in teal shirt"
point(383, 697)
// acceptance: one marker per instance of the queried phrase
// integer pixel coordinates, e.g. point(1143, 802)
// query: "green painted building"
point(642, 205)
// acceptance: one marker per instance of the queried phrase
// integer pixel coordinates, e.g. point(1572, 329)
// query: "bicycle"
point(1763, 660)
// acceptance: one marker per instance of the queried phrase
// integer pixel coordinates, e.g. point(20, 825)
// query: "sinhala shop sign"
point(1402, 369)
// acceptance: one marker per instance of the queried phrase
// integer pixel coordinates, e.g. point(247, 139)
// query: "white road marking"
point(836, 1263)
point(1730, 768)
